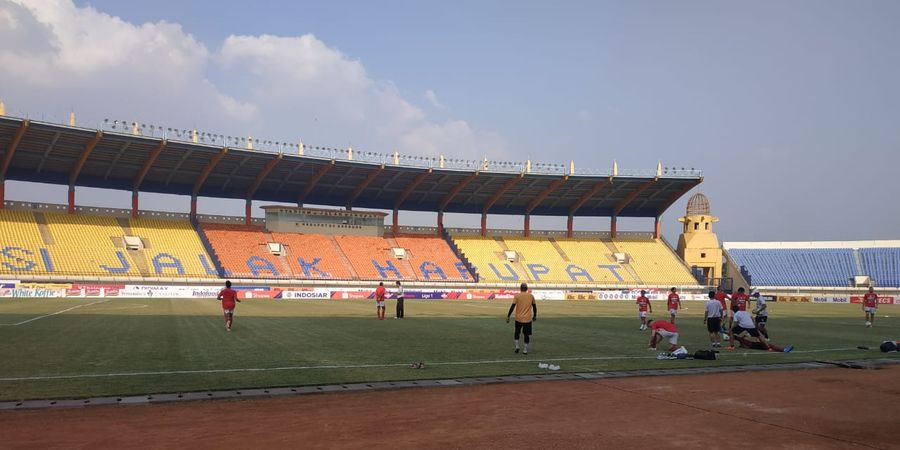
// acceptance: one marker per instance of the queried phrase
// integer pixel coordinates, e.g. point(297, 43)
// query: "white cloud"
point(57, 55)
point(432, 98)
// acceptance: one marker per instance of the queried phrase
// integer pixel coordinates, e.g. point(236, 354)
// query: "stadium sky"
point(791, 108)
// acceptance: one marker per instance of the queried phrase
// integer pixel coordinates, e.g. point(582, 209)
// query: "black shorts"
point(751, 331)
point(524, 328)
point(714, 324)
point(759, 346)
point(761, 319)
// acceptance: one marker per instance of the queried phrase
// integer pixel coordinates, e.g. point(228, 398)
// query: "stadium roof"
point(59, 154)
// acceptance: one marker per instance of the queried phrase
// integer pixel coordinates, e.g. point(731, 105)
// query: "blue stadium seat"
point(797, 267)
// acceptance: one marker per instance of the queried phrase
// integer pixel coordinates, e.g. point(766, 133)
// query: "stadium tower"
point(698, 245)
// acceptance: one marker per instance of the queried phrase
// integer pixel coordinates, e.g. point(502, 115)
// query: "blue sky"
point(791, 108)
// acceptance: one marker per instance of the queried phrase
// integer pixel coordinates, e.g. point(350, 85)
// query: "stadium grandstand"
point(349, 242)
point(56, 242)
point(817, 264)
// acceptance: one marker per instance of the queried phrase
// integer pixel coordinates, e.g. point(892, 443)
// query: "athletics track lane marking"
point(51, 314)
point(365, 366)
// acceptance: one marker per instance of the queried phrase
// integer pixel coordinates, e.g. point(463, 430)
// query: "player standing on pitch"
point(380, 292)
point(643, 307)
point(228, 297)
point(526, 312)
point(399, 300)
point(674, 304)
point(762, 313)
point(712, 317)
point(870, 306)
point(721, 296)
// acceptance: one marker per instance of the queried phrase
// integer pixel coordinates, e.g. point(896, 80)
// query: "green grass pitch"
point(61, 348)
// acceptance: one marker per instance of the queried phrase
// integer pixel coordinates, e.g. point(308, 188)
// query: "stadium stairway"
point(43, 228)
point(213, 256)
point(344, 259)
point(459, 255)
point(562, 253)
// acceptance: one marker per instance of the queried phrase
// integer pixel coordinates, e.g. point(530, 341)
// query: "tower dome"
point(698, 205)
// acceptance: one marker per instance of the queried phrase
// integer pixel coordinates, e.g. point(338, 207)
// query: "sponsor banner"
point(882, 300)
point(73, 292)
point(9, 284)
point(770, 298)
point(30, 292)
point(307, 294)
point(45, 285)
point(150, 291)
point(581, 295)
point(353, 295)
point(831, 299)
point(795, 298)
point(548, 294)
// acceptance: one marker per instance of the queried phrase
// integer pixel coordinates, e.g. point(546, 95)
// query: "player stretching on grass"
point(526, 312)
point(663, 329)
point(870, 306)
point(643, 307)
point(228, 297)
point(674, 304)
point(756, 345)
point(380, 292)
point(743, 323)
point(712, 317)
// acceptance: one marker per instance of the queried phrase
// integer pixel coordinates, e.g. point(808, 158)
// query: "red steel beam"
point(198, 184)
point(416, 182)
point(540, 198)
point(456, 189)
point(85, 154)
point(587, 195)
point(11, 148)
point(262, 175)
point(500, 192)
point(675, 198)
point(139, 179)
point(362, 186)
point(314, 181)
point(630, 197)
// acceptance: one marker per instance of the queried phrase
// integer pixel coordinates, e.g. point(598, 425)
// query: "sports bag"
point(704, 354)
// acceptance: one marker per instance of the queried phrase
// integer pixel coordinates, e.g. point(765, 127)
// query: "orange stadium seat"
point(431, 257)
point(241, 251)
point(321, 258)
point(372, 259)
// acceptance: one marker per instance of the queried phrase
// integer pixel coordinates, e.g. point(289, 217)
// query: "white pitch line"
point(361, 366)
point(51, 314)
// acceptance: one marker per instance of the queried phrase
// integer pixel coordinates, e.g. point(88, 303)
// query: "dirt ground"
point(827, 408)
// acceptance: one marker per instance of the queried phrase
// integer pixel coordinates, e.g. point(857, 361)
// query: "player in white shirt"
point(762, 313)
point(712, 317)
point(743, 323)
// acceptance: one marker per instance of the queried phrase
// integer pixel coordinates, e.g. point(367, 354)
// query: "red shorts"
point(228, 309)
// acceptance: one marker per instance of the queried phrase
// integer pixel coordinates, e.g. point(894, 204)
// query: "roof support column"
point(71, 209)
point(569, 225)
point(193, 207)
point(395, 222)
point(612, 227)
point(247, 207)
point(483, 224)
point(134, 204)
point(440, 224)
point(8, 155)
point(657, 228)
point(527, 226)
